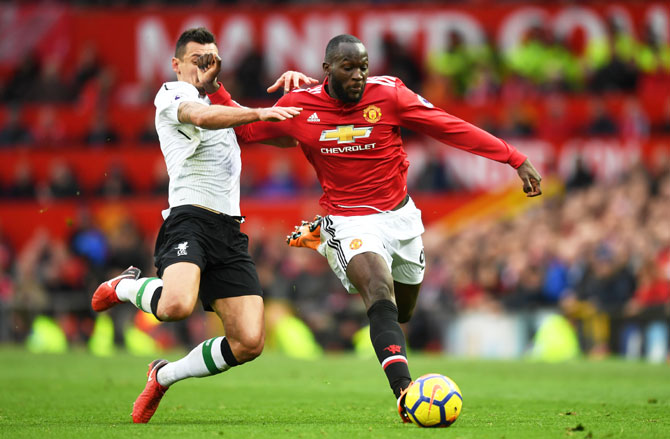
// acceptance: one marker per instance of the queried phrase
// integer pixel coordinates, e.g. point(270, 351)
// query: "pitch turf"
point(340, 396)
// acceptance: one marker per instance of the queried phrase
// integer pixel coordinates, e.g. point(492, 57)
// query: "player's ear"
point(326, 67)
point(175, 65)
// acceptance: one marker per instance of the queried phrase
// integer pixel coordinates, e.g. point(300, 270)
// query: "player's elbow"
point(282, 142)
point(207, 119)
point(198, 118)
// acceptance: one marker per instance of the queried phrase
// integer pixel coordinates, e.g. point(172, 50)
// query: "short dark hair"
point(331, 48)
point(198, 35)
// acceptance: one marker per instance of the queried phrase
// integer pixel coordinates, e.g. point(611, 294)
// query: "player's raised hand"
point(209, 66)
point(277, 114)
point(291, 80)
point(531, 179)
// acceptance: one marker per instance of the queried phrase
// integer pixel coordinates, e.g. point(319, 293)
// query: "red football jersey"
point(356, 148)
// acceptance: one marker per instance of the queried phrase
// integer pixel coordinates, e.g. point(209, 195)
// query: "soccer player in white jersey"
point(200, 250)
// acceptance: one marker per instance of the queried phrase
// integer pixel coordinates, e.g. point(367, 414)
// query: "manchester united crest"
point(355, 244)
point(372, 113)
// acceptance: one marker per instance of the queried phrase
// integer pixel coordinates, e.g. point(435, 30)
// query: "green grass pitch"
point(340, 396)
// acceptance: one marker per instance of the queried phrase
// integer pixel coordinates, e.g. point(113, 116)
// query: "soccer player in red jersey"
point(349, 130)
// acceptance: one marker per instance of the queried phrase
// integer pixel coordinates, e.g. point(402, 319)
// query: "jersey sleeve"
point(260, 131)
point(417, 114)
point(170, 96)
point(222, 97)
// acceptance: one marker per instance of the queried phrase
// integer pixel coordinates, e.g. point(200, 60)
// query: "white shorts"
point(394, 235)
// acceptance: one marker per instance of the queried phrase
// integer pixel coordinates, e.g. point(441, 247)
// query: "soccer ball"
point(433, 400)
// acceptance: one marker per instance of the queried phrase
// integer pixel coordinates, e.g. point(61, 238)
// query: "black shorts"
point(213, 242)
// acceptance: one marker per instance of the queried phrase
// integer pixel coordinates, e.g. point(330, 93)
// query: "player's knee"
point(380, 291)
point(249, 347)
point(173, 310)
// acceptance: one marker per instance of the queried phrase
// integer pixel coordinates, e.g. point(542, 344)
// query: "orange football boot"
point(402, 410)
point(307, 234)
point(146, 404)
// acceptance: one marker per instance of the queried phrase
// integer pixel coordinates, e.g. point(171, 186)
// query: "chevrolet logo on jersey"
point(345, 134)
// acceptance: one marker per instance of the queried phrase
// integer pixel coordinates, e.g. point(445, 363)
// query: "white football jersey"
point(203, 165)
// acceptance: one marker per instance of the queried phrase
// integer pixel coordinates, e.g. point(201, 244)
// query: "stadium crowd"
point(599, 253)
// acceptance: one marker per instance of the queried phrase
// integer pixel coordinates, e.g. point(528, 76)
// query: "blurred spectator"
point(614, 67)
point(280, 181)
point(453, 64)
point(96, 95)
point(581, 177)
point(635, 124)
point(434, 177)
point(519, 122)
point(517, 88)
point(601, 122)
point(533, 58)
point(100, 132)
point(22, 185)
point(663, 125)
point(399, 61)
point(49, 280)
point(115, 184)
point(148, 135)
point(50, 86)
point(161, 180)
point(652, 56)
point(49, 130)
point(484, 85)
point(127, 247)
point(652, 296)
point(88, 68)
point(31, 298)
point(62, 181)
point(24, 78)
point(250, 76)
point(7, 261)
point(13, 132)
point(557, 125)
point(88, 241)
point(528, 294)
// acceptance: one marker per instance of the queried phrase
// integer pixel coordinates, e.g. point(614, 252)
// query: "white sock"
point(204, 360)
point(139, 292)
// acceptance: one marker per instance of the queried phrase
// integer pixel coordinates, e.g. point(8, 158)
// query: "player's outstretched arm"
point(531, 179)
point(216, 117)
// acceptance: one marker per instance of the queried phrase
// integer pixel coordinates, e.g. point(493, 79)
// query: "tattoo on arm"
point(185, 111)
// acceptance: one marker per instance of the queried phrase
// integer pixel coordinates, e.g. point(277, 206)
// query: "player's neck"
point(330, 92)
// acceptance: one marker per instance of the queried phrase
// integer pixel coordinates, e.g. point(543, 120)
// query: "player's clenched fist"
point(277, 114)
point(209, 66)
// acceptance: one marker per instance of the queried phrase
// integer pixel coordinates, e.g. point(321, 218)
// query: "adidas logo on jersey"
point(313, 118)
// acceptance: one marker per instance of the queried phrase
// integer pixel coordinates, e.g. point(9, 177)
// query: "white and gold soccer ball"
point(433, 400)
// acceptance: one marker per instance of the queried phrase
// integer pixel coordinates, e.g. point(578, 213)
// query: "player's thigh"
point(181, 283)
point(408, 269)
point(369, 273)
point(243, 320)
point(357, 255)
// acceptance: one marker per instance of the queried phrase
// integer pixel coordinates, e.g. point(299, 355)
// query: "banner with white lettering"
point(139, 42)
